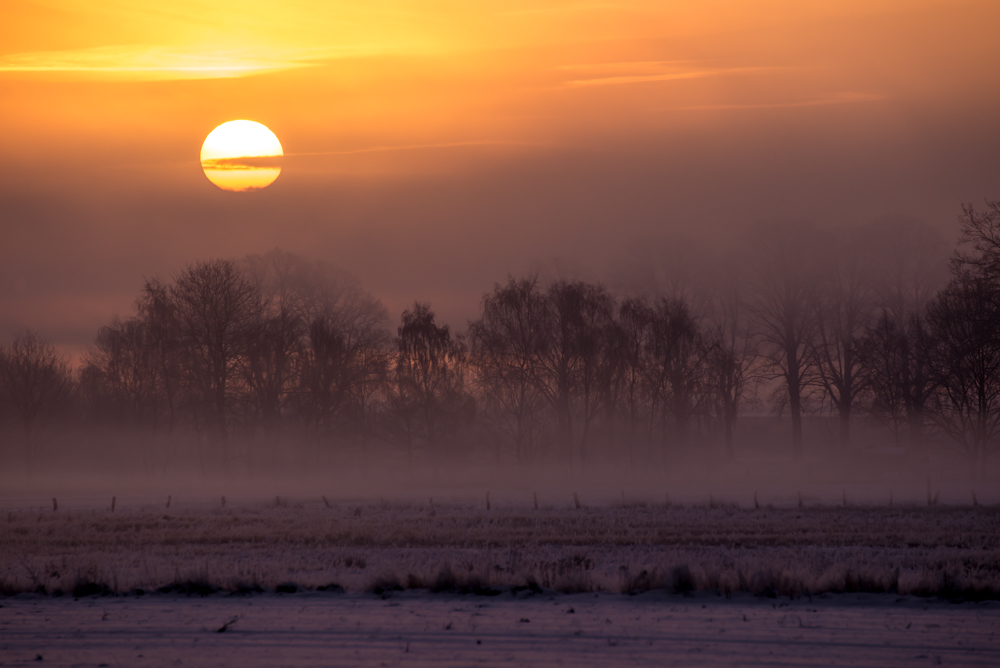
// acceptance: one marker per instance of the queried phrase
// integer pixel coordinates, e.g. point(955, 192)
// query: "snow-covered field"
point(460, 545)
point(448, 582)
point(422, 629)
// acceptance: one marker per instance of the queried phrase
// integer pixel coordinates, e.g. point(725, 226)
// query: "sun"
point(241, 155)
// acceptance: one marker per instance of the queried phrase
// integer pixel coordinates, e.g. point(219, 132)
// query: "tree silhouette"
point(783, 293)
point(36, 384)
point(507, 341)
point(964, 323)
point(430, 380)
point(979, 249)
point(632, 346)
point(732, 352)
point(219, 312)
point(844, 306)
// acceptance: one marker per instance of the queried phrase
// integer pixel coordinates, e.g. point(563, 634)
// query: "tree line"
point(236, 362)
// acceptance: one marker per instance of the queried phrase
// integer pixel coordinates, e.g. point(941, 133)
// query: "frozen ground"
point(449, 581)
point(422, 629)
point(951, 551)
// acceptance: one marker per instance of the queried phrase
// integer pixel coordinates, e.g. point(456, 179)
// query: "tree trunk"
point(845, 425)
point(795, 402)
point(729, 420)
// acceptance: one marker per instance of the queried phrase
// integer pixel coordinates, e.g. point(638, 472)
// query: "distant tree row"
point(246, 359)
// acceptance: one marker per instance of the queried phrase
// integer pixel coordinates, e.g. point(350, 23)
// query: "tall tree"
point(157, 312)
point(507, 341)
point(783, 290)
point(964, 323)
point(964, 351)
point(844, 307)
point(430, 377)
point(979, 251)
point(731, 356)
point(631, 346)
point(270, 365)
point(36, 384)
point(570, 363)
point(342, 346)
point(677, 354)
point(122, 360)
point(219, 310)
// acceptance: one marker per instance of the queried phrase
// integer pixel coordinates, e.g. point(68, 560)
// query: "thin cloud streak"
point(170, 63)
point(412, 147)
point(631, 65)
point(848, 98)
point(672, 76)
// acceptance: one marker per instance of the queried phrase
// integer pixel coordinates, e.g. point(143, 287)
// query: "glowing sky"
point(432, 147)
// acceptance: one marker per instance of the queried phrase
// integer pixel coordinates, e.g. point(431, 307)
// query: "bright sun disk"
point(241, 155)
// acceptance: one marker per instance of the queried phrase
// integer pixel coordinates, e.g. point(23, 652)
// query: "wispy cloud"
point(634, 66)
point(169, 63)
point(675, 75)
point(414, 147)
point(839, 98)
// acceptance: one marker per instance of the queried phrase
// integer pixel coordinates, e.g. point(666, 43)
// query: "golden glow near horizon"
point(241, 155)
point(355, 86)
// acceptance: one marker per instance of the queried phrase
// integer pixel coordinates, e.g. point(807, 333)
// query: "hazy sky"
point(433, 147)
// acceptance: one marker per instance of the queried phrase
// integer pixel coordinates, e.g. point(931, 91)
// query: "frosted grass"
point(459, 546)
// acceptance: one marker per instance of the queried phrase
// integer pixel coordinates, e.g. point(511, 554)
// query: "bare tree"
point(430, 380)
point(980, 240)
point(569, 366)
point(120, 376)
point(597, 361)
point(158, 314)
point(122, 359)
point(507, 341)
point(732, 356)
point(219, 311)
point(677, 354)
point(632, 345)
point(36, 384)
point(844, 307)
point(964, 323)
point(343, 341)
point(908, 261)
point(900, 379)
point(270, 369)
point(783, 290)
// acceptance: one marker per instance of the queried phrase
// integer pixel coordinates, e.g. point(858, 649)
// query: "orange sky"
point(434, 146)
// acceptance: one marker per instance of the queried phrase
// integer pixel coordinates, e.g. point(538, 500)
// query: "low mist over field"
point(802, 361)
